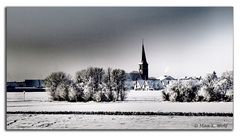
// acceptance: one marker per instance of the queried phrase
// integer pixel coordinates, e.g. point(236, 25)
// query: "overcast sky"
point(178, 41)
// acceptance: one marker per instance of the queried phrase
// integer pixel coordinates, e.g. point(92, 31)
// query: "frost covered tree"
point(227, 78)
point(55, 82)
point(96, 75)
point(207, 91)
point(107, 79)
point(216, 88)
point(61, 92)
point(172, 92)
point(91, 84)
point(182, 91)
point(210, 88)
point(118, 83)
point(97, 96)
point(88, 90)
point(75, 92)
point(82, 76)
point(210, 79)
point(224, 84)
point(107, 90)
point(55, 78)
point(90, 81)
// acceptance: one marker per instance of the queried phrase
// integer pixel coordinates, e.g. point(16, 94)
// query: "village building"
point(166, 80)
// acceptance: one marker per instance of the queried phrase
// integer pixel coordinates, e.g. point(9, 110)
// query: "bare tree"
point(81, 76)
point(107, 79)
point(96, 75)
point(57, 84)
point(118, 81)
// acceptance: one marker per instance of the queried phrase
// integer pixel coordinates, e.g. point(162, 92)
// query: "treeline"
point(211, 88)
point(91, 84)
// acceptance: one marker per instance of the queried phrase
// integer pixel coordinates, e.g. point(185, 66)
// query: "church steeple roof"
point(144, 60)
point(143, 66)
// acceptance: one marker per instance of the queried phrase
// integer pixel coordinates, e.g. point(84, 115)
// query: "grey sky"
point(178, 41)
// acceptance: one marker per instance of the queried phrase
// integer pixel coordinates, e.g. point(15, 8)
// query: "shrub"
point(87, 92)
point(229, 96)
point(75, 92)
point(171, 92)
point(205, 94)
point(62, 91)
point(173, 96)
point(216, 88)
point(211, 88)
point(182, 91)
point(97, 96)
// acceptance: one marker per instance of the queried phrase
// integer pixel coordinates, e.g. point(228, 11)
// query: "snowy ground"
point(33, 121)
point(137, 101)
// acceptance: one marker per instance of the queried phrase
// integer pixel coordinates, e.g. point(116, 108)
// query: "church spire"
point(143, 66)
point(144, 60)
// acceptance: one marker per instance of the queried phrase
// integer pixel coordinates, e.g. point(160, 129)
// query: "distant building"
point(29, 85)
point(34, 83)
point(139, 85)
point(11, 84)
point(16, 84)
point(166, 80)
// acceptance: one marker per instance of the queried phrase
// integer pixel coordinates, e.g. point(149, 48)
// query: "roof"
point(165, 77)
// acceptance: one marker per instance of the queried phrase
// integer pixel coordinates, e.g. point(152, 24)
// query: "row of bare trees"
point(89, 84)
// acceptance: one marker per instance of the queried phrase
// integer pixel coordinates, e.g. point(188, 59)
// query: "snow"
point(34, 121)
point(137, 101)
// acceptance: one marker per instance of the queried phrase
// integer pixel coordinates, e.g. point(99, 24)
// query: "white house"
point(166, 80)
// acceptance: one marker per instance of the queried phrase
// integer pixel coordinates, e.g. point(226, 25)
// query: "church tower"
point(143, 65)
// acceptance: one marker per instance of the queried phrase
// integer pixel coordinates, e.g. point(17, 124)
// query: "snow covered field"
point(34, 121)
point(144, 101)
point(137, 101)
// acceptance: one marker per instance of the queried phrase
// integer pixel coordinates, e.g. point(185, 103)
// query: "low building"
point(166, 80)
point(29, 85)
point(34, 83)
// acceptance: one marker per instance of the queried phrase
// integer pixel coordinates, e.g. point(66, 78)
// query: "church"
point(140, 80)
point(144, 82)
